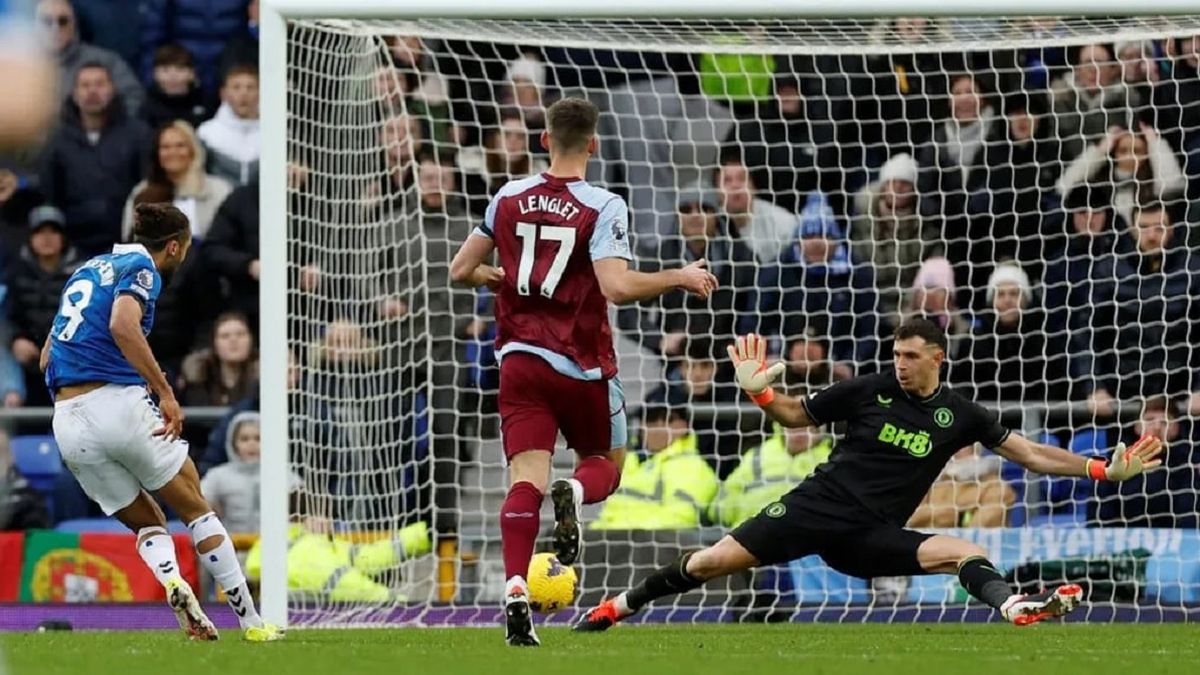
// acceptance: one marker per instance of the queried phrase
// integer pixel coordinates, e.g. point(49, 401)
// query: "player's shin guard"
point(599, 477)
point(980, 578)
point(222, 563)
point(670, 580)
point(157, 550)
point(520, 518)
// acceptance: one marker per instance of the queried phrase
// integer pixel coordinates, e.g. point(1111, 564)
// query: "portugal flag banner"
point(66, 567)
point(11, 545)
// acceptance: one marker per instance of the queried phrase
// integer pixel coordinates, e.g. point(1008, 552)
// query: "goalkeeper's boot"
point(187, 610)
point(599, 618)
point(567, 495)
point(1024, 610)
point(264, 633)
point(518, 620)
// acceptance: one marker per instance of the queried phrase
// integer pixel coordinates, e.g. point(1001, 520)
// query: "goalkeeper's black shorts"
point(787, 530)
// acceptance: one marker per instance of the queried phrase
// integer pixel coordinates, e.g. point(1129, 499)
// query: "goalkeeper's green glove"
point(749, 356)
point(1128, 462)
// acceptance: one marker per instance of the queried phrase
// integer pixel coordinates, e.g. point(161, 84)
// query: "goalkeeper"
point(902, 428)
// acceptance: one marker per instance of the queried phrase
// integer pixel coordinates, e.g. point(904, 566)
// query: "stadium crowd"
point(1038, 203)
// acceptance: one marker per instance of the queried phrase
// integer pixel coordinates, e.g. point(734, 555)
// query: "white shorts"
point(107, 440)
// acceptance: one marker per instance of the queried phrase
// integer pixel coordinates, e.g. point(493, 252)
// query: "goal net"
point(1028, 183)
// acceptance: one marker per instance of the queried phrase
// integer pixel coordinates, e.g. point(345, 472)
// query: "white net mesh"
point(1026, 182)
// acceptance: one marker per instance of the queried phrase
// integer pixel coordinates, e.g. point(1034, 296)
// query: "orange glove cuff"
point(1096, 469)
point(763, 397)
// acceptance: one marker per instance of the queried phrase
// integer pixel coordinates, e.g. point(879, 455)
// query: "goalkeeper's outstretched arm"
point(1047, 459)
point(755, 377)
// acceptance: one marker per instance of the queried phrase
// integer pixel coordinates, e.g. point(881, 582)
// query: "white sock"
point(622, 605)
point(516, 586)
point(158, 552)
point(577, 488)
point(222, 563)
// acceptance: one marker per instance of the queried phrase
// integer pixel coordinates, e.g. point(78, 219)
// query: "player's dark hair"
point(155, 224)
point(572, 123)
point(925, 329)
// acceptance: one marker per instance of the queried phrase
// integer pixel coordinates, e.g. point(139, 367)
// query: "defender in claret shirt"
point(902, 428)
point(563, 249)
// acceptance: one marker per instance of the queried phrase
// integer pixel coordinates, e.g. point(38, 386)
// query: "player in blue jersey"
point(112, 436)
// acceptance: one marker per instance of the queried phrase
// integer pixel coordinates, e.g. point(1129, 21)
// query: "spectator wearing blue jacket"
point(821, 286)
point(202, 26)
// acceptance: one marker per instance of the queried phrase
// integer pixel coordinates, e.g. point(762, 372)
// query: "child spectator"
point(232, 137)
point(933, 297)
point(35, 281)
point(177, 175)
point(175, 93)
point(203, 26)
point(232, 488)
point(226, 371)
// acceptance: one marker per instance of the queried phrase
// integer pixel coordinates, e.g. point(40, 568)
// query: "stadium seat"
point(38, 460)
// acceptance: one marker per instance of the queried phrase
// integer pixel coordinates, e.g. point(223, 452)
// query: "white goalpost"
point(386, 125)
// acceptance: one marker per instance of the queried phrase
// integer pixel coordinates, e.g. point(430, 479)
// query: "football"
point(552, 585)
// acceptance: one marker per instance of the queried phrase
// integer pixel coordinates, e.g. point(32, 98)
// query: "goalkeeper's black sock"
point(979, 576)
point(670, 580)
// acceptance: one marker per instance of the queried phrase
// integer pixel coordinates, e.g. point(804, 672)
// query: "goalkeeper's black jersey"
point(892, 449)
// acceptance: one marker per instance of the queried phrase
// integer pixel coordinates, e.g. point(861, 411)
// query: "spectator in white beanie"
point(1009, 274)
point(887, 231)
point(1138, 63)
point(1007, 359)
point(526, 90)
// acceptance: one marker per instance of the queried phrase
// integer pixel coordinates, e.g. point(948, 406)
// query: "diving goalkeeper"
point(902, 429)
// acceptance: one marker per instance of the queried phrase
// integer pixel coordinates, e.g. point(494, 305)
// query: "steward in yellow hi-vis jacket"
point(670, 489)
point(768, 471)
point(333, 566)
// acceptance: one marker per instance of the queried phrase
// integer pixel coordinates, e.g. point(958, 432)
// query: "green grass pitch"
point(725, 649)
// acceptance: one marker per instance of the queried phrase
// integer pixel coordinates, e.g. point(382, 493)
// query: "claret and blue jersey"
point(82, 348)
